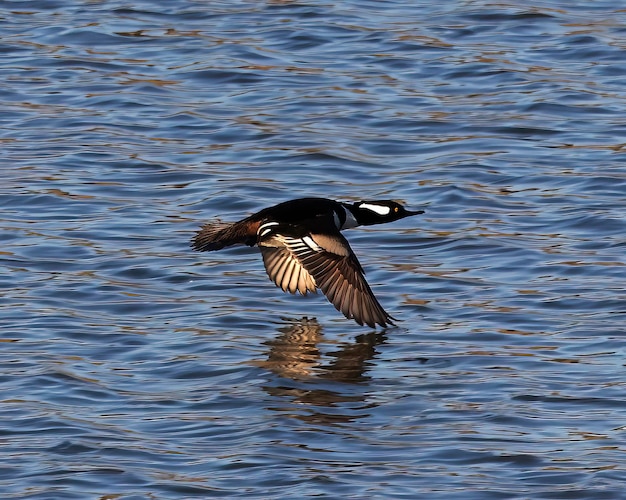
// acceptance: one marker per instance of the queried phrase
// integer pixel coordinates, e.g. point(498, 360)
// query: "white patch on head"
point(378, 209)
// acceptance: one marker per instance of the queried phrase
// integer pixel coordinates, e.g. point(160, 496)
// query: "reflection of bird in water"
point(318, 393)
point(303, 249)
point(350, 363)
point(295, 354)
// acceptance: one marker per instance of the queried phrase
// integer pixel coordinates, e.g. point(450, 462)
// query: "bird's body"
point(303, 249)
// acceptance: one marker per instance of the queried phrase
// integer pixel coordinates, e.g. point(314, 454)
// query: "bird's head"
point(371, 212)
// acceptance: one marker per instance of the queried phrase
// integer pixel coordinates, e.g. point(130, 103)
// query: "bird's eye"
point(395, 209)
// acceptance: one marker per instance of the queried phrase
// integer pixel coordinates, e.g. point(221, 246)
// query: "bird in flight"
point(303, 249)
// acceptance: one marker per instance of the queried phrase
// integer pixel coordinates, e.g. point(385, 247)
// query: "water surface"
point(136, 368)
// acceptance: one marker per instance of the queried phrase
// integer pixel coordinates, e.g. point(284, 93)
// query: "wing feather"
point(284, 269)
point(340, 276)
point(297, 259)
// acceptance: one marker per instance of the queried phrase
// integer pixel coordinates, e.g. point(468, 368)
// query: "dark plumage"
point(303, 249)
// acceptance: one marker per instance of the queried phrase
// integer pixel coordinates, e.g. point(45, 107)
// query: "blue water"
point(135, 368)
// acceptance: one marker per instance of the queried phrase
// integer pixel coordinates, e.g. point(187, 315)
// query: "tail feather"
point(216, 235)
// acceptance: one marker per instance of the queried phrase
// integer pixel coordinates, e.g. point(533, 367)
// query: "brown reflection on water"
point(295, 354)
point(317, 386)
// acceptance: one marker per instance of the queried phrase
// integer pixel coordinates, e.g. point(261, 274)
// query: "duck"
point(303, 249)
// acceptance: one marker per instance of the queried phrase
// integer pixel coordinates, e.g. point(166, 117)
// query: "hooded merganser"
point(303, 249)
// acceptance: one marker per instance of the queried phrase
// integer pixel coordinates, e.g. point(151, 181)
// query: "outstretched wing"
point(297, 261)
point(284, 269)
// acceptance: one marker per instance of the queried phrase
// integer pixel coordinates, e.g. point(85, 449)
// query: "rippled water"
point(133, 367)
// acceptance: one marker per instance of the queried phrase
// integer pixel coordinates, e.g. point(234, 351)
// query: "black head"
point(372, 212)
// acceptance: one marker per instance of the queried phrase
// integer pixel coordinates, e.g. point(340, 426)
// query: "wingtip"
point(384, 321)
